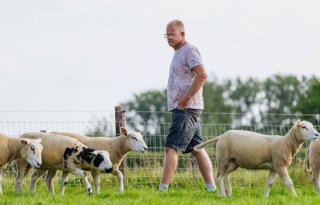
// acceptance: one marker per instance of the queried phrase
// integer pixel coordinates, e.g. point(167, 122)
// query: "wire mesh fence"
point(146, 168)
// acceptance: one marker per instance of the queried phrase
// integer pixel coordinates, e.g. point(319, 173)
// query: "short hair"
point(177, 23)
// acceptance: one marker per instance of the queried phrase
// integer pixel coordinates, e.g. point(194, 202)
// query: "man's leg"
point(169, 167)
point(205, 167)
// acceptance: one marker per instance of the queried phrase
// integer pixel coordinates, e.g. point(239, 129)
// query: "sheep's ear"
point(24, 141)
point(123, 131)
point(38, 140)
point(297, 124)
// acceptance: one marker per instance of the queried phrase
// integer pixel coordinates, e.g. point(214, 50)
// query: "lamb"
point(312, 159)
point(66, 154)
point(118, 148)
point(14, 148)
point(250, 150)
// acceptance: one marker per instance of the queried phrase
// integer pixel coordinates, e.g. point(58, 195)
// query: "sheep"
point(118, 148)
point(312, 159)
point(250, 150)
point(14, 148)
point(66, 154)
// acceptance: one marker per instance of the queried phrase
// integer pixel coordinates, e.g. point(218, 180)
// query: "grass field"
point(248, 188)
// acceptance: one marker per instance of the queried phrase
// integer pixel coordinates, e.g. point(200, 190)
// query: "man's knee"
point(170, 150)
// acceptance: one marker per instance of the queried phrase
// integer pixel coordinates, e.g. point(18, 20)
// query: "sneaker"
point(211, 189)
point(162, 188)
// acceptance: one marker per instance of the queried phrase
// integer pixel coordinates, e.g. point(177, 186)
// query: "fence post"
point(120, 122)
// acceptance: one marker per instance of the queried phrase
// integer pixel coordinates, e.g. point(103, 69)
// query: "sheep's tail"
point(203, 144)
point(307, 165)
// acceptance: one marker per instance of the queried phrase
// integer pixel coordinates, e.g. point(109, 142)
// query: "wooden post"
point(120, 122)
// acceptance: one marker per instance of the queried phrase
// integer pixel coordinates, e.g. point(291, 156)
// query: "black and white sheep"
point(118, 147)
point(66, 154)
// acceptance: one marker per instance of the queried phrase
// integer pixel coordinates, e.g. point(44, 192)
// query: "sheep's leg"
point(222, 166)
point(22, 168)
point(220, 175)
point(64, 180)
point(231, 167)
point(227, 186)
point(96, 179)
point(120, 180)
point(220, 185)
point(271, 178)
point(35, 176)
point(49, 180)
point(85, 178)
point(315, 180)
point(283, 174)
point(1, 179)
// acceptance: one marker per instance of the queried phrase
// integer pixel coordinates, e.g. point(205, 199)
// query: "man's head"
point(175, 34)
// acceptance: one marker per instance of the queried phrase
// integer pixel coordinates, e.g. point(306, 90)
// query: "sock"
point(210, 186)
point(163, 186)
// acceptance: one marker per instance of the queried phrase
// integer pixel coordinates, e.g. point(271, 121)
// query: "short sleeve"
point(194, 57)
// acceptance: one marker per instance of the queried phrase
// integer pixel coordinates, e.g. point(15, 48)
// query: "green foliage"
point(281, 94)
point(213, 94)
point(244, 96)
point(148, 108)
point(309, 103)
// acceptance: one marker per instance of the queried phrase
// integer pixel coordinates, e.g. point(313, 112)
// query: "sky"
point(89, 56)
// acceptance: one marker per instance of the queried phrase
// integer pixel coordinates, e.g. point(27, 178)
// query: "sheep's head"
point(31, 151)
point(136, 142)
point(306, 130)
point(102, 161)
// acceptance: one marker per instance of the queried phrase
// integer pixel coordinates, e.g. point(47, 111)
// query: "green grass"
point(248, 188)
point(76, 195)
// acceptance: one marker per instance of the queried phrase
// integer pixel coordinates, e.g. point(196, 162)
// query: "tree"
point(282, 93)
point(244, 96)
point(216, 105)
point(309, 103)
point(147, 110)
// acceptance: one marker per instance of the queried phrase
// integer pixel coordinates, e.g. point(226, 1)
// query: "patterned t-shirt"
point(181, 77)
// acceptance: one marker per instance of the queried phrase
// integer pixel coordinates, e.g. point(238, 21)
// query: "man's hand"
point(183, 103)
point(197, 83)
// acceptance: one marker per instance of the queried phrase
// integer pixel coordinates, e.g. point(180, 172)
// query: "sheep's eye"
point(32, 148)
point(304, 127)
point(134, 138)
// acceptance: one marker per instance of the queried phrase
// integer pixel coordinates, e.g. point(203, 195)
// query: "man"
point(184, 91)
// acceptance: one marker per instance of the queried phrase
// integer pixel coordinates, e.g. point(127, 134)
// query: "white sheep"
point(250, 150)
point(14, 148)
point(66, 154)
point(118, 148)
point(313, 163)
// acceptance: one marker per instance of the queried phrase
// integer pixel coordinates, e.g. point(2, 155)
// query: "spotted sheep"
point(118, 147)
point(251, 150)
point(19, 148)
point(66, 154)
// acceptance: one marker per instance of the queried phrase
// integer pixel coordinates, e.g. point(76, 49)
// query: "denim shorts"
point(184, 133)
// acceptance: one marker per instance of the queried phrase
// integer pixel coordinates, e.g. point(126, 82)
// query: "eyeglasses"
point(167, 35)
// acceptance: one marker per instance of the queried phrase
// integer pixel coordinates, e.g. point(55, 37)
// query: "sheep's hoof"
point(89, 191)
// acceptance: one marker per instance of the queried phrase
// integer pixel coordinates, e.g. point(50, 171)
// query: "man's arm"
point(197, 83)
